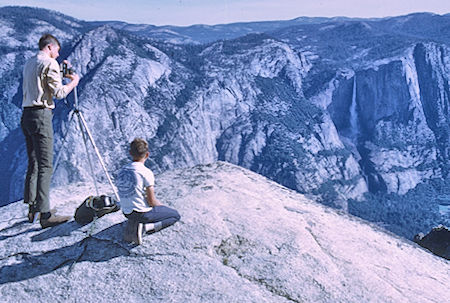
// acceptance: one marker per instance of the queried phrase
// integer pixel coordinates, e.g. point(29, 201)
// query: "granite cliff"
point(241, 238)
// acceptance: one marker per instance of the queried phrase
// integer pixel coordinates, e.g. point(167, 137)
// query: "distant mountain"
point(434, 27)
point(241, 238)
point(200, 34)
point(342, 110)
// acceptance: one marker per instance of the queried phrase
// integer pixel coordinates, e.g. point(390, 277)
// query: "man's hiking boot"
point(133, 232)
point(34, 214)
point(52, 220)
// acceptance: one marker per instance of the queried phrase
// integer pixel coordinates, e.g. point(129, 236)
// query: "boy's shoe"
point(139, 233)
point(133, 232)
point(150, 228)
point(53, 220)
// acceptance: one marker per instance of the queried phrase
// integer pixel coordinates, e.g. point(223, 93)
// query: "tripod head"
point(67, 72)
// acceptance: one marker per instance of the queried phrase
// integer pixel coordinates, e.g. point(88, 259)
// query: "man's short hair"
point(138, 148)
point(47, 39)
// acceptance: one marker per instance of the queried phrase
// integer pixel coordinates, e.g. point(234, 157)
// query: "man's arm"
point(54, 81)
point(151, 198)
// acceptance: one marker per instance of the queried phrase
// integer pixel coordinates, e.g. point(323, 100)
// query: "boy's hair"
point(47, 39)
point(138, 148)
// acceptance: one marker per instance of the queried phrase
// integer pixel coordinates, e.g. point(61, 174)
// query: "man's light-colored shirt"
point(42, 81)
point(132, 183)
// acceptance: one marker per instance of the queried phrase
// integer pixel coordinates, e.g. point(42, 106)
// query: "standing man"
point(41, 82)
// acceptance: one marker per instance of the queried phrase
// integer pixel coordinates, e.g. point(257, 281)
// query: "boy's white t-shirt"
point(131, 183)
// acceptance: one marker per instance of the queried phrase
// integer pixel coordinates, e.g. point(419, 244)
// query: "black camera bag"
point(95, 206)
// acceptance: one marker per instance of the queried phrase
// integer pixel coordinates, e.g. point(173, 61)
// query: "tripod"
point(86, 133)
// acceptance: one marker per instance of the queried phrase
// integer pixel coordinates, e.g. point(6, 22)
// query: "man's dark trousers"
point(37, 127)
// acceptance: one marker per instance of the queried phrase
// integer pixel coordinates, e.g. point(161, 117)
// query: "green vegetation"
point(407, 215)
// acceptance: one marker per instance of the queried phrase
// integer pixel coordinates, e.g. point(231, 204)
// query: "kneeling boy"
point(135, 184)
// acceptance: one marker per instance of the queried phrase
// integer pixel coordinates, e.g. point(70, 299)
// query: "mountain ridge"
point(201, 33)
point(335, 110)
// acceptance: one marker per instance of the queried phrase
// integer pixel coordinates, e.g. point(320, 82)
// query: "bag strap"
point(109, 203)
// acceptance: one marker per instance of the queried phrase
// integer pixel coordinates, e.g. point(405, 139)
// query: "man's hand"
point(75, 79)
point(69, 65)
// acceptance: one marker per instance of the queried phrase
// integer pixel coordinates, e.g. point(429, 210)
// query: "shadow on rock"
point(57, 231)
point(102, 246)
point(15, 225)
point(18, 225)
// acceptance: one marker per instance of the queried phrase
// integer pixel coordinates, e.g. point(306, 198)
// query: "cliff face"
point(241, 238)
point(333, 108)
point(396, 115)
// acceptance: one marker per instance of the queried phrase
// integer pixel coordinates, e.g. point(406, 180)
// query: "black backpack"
point(95, 206)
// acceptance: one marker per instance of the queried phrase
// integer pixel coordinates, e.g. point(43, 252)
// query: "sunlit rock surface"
point(241, 238)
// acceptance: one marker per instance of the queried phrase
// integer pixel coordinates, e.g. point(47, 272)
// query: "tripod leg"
point(81, 123)
point(58, 156)
point(98, 153)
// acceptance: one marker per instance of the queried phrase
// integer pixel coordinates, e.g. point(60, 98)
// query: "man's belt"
point(34, 107)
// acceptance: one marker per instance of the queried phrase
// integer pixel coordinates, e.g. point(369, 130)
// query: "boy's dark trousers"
point(166, 215)
point(37, 127)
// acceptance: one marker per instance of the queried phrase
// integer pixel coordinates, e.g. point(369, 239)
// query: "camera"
point(66, 70)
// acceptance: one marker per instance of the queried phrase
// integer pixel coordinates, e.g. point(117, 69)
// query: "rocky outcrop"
point(241, 238)
point(437, 241)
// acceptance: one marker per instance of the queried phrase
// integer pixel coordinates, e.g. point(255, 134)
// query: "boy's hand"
point(157, 203)
point(151, 198)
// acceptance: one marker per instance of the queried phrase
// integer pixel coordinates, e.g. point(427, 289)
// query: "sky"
point(183, 12)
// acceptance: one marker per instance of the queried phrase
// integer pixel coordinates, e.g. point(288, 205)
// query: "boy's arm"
point(151, 198)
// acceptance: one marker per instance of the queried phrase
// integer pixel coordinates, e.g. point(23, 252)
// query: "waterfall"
point(353, 113)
